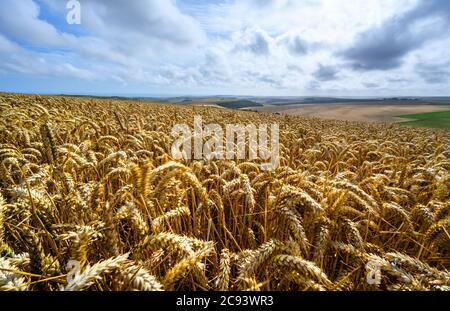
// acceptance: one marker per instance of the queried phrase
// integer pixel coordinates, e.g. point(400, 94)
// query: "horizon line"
point(146, 95)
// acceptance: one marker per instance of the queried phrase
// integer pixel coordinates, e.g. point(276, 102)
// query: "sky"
point(227, 47)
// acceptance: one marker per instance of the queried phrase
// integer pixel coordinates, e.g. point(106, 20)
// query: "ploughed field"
point(91, 199)
point(362, 112)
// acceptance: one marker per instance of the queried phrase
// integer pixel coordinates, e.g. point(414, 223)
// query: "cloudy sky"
point(227, 47)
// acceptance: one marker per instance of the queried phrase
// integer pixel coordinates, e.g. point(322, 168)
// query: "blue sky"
point(227, 47)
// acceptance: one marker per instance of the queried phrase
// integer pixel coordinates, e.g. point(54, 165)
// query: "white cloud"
point(143, 20)
point(20, 20)
point(246, 46)
point(17, 59)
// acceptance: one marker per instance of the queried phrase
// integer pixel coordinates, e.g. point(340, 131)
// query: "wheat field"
point(91, 199)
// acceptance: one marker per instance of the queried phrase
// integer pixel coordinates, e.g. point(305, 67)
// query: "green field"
point(431, 119)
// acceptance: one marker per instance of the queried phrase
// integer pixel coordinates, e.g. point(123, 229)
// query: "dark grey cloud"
point(214, 69)
point(325, 73)
point(294, 67)
point(268, 79)
point(434, 73)
point(313, 85)
point(253, 40)
point(371, 85)
point(382, 48)
point(259, 45)
point(398, 80)
point(385, 46)
point(297, 46)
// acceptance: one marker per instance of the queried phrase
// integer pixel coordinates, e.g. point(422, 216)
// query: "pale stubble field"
point(362, 112)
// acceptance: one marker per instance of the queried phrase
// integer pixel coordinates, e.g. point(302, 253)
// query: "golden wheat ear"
point(91, 182)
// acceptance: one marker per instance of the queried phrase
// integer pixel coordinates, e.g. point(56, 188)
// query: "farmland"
point(432, 119)
point(91, 199)
point(362, 111)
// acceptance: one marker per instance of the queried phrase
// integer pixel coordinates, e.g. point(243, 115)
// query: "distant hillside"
point(238, 104)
